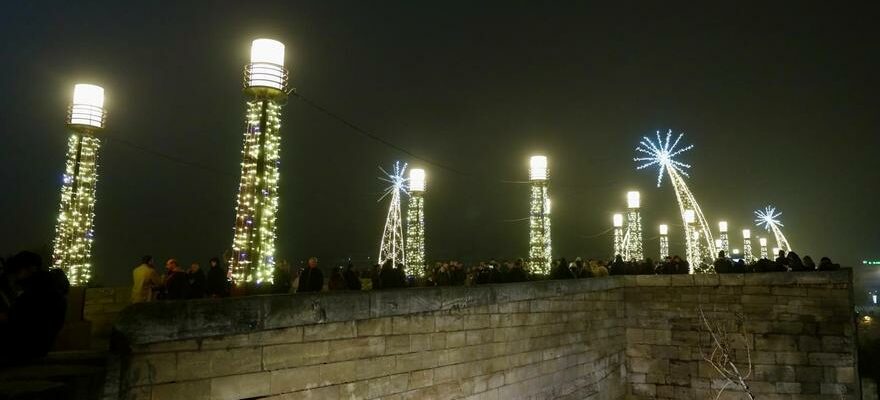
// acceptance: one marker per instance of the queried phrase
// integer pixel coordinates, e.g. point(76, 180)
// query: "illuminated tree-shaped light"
point(633, 238)
point(763, 243)
point(768, 218)
point(415, 223)
point(391, 247)
point(723, 238)
point(540, 244)
point(664, 241)
point(662, 154)
point(74, 232)
point(617, 224)
point(747, 246)
point(253, 242)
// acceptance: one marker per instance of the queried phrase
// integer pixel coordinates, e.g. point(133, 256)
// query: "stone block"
point(423, 378)
point(831, 359)
point(373, 327)
point(295, 355)
point(211, 363)
point(775, 343)
point(412, 324)
point(151, 369)
point(240, 386)
point(195, 390)
point(362, 347)
point(328, 331)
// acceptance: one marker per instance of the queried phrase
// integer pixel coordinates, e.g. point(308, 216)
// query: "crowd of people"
point(177, 283)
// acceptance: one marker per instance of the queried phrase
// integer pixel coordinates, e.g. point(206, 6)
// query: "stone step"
point(80, 381)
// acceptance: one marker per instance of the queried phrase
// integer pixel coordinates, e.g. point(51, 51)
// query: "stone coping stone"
point(163, 321)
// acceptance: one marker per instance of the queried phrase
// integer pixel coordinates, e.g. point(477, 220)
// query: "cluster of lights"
point(74, 232)
point(253, 243)
point(617, 224)
point(724, 240)
point(540, 244)
point(662, 154)
point(391, 247)
point(633, 238)
point(747, 245)
point(415, 223)
point(763, 243)
point(664, 241)
point(768, 218)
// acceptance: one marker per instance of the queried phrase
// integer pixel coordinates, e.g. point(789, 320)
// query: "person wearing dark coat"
point(196, 280)
point(176, 282)
point(825, 264)
point(618, 267)
point(281, 278)
point(337, 280)
point(311, 279)
point(352, 282)
point(722, 263)
point(216, 284)
point(388, 276)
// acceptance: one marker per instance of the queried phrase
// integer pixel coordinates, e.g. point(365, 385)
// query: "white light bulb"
point(747, 234)
point(763, 242)
point(722, 226)
point(87, 107)
point(267, 64)
point(618, 220)
point(664, 229)
point(267, 51)
point(689, 216)
point(88, 95)
point(417, 180)
point(538, 168)
point(633, 199)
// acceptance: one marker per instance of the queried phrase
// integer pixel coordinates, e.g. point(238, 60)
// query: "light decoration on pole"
point(692, 242)
point(253, 242)
point(664, 241)
point(633, 247)
point(617, 223)
point(74, 230)
point(662, 154)
point(391, 247)
point(540, 244)
point(747, 246)
point(768, 218)
point(724, 238)
point(415, 223)
point(763, 243)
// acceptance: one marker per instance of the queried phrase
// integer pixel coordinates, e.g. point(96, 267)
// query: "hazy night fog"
point(779, 101)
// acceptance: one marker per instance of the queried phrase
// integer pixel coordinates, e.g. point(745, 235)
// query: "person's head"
point(825, 260)
point(171, 264)
point(313, 262)
point(194, 267)
point(781, 253)
point(721, 254)
point(22, 265)
point(148, 260)
point(215, 262)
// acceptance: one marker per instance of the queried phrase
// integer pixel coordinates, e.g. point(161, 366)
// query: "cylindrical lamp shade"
point(87, 108)
point(417, 180)
point(618, 220)
point(267, 64)
point(633, 199)
point(718, 243)
point(722, 226)
point(689, 216)
point(538, 168)
point(664, 229)
point(763, 242)
point(747, 234)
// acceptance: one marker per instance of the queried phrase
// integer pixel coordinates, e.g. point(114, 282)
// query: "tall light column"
point(763, 243)
point(633, 238)
point(725, 240)
point(540, 245)
point(74, 232)
point(617, 221)
point(664, 241)
point(253, 243)
point(692, 251)
point(747, 246)
point(415, 224)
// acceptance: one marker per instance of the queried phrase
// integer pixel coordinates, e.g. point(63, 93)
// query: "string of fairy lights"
point(253, 256)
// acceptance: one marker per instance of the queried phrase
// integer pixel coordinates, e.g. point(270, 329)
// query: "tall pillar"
point(540, 245)
point(415, 224)
point(633, 246)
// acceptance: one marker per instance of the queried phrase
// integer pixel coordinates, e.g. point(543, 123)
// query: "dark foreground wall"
point(608, 338)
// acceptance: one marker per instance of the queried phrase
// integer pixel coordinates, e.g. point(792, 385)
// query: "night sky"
point(780, 103)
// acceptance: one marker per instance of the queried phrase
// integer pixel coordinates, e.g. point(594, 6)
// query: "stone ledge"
point(177, 320)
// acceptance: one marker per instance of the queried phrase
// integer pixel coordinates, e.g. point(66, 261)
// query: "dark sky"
point(780, 101)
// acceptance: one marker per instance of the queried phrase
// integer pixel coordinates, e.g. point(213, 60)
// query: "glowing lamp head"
point(664, 229)
point(718, 243)
point(87, 108)
point(763, 242)
point(618, 220)
point(722, 226)
point(633, 199)
point(747, 234)
point(267, 65)
point(538, 168)
point(736, 251)
point(689, 216)
point(417, 180)
point(775, 251)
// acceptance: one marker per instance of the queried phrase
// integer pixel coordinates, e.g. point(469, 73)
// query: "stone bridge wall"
point(609, 338)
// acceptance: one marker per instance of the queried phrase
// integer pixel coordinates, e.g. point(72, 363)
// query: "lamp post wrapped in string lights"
point(747, 246)
point(540, 244)
point(617, 225)
point(415, 223)
point(664, 241)
point(74, 232)
point(253, 243)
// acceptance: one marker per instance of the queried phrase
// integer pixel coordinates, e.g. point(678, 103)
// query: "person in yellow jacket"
point(145, 280)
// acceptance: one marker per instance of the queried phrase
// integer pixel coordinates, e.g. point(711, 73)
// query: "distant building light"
point(870, 262)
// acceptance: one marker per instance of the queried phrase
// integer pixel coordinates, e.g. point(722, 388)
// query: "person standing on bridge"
point(146, 279)
point(311, 279)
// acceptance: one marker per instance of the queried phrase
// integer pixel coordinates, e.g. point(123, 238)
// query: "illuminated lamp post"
point(633, 238)
point(763, 243)
point(723, 237)
point(664, 241)
point(540, 245)
point(693, 240)
point(617, 221)
point(747, 246)
point(415, 224)
point(253, 243)
point(74, 231)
